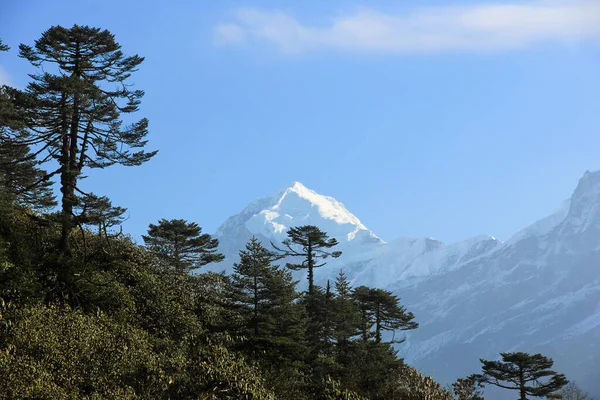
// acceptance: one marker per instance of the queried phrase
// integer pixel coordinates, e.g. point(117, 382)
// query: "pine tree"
point(310, 243)
point(362, 298)
point(75, 111)
point(265, 296)
point(388, 314)
point(522, 372)
point(181, 245)
point(98, 212)
point(346, 314)
point(381, 309)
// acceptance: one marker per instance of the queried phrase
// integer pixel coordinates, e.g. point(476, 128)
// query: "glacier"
point(538, 291)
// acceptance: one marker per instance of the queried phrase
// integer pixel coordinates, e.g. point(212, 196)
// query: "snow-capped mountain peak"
point(294, 199)
point(269, 219)
point(294, 206)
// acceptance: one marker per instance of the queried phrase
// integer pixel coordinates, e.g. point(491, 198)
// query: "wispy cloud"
point(478, 27)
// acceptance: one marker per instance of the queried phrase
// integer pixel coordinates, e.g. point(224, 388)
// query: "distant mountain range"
point(537, 292)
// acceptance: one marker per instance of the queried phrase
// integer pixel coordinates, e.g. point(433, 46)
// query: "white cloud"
point(478, 27)
point(229, 34)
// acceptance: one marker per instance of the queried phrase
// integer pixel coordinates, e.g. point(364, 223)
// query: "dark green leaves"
point(181, 245)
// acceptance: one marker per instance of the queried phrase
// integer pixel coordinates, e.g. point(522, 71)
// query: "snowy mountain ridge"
point(537, 292)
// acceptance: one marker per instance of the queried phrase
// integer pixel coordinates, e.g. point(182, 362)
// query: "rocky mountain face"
point(537, 292)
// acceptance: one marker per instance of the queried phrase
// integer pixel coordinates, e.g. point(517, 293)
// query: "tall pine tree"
point(381, 309)
point(78, 99)
point(265, 296)
point(313, 245)
point(346, 314)
point(181, 245)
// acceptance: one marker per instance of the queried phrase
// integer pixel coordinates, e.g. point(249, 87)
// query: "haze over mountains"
point(539, 291)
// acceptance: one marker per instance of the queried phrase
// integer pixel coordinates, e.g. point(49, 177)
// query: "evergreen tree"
point(250, 282)
point(181, 245)
point(346, 314)
point(319, 331)
point(98, 211)
point(381, 309)
point(310, 243)
point(264, 292)
point(522, 372)
point(388, 314)
point(362, 298)
point(75, 111)
point(272, 322)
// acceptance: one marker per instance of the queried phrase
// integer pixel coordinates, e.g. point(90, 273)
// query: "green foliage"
point(128, 330)
point(381, 309)
point(56, 353)
point(180, 245)
point(265, 296)
point(20, 177)
point(522, 372)
point(368, 368)
point(346, 313)
point(334, 391)
point(310, 243)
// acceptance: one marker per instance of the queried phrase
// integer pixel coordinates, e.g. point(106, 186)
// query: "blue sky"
point(444, 119)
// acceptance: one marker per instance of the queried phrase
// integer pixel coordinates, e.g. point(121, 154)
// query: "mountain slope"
point(537, 292)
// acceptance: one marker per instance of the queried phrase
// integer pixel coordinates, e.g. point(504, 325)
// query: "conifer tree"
point(524, 373)
point(381, 309)
point(310, 243)
point(249, 280)
point(346, 314)
point(98, 212)
point(362, 298)
point(319, 331)
point(265, 296)
point(388, 314)
point(181, 245)
point(77, 101)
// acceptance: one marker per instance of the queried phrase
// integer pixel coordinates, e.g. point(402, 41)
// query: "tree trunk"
point(65, 188)
point(522, 384)
point(378, 324)
point(310, 269)
point(69, 173)
point(255, 306)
